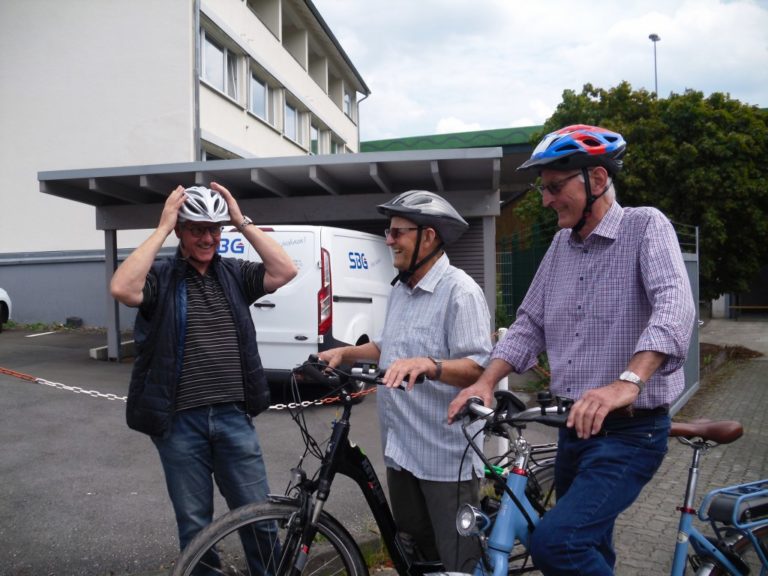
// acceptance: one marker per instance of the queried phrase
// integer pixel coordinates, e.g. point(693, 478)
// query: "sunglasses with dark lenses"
point(199, 231)
point(395, 233)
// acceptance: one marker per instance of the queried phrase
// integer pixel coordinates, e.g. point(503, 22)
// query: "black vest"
point(159, 342)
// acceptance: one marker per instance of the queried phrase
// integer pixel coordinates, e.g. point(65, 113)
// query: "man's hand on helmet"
point(170, 215)
point(235, 215)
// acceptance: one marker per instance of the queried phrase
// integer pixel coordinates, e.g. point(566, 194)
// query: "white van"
point(338, 297)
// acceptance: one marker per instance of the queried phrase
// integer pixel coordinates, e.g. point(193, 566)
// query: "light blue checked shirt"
point(444, 316)
point(593, 305)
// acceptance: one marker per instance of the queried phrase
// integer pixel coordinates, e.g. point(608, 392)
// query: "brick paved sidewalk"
point(645, 534)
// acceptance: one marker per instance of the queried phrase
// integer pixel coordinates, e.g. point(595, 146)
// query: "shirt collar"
point(433, 276)
point(608, 227)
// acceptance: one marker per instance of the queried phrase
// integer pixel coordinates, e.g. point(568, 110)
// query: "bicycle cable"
point(498, 477)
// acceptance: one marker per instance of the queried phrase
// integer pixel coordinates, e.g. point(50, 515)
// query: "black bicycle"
point(293, 534)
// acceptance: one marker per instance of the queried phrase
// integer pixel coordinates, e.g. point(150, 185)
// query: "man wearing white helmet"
point(197, 379)
point(438, 325)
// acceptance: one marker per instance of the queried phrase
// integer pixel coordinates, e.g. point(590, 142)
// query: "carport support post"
point(113, 308)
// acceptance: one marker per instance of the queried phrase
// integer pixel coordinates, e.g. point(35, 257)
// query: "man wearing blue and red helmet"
point(612, 307)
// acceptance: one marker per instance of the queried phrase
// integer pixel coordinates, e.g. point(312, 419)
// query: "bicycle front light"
point(470, 521)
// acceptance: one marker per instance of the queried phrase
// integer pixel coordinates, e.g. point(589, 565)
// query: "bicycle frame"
point(344, 458)
point(707, 549)
point(704, 548)
point(510, 525)
point(516, 517)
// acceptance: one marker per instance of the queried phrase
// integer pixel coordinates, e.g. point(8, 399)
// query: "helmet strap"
point(591, 199)
point(405, 275)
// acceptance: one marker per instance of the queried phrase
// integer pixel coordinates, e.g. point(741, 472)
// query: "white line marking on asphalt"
point(40, 334)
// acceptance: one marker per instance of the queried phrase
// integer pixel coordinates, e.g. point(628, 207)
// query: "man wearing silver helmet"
point(612, 307)
point(197, 379)
point(438, 325)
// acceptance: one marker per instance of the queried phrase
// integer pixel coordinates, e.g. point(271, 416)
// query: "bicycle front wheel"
point(265, 539)
point(742, 546)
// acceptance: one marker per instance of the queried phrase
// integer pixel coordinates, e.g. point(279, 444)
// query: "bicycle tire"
point(742, 546)
point(219, 548)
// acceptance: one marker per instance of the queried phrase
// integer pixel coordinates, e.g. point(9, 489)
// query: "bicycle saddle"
point(720, 431)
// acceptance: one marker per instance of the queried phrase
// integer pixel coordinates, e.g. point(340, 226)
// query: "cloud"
point(436, 65)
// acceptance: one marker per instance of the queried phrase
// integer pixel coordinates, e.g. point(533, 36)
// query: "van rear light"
point(324, 295)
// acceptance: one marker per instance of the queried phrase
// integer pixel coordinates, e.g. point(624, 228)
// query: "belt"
point(631, 412)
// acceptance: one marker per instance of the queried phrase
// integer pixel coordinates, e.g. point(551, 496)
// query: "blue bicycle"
point(738, 514)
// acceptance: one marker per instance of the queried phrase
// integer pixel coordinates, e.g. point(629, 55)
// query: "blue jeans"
point(595, 480)
point(211, 442)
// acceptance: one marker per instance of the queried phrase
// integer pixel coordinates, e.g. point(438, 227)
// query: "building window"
point(314, 142)
point(290, 123)
point(259, 97)
point(219, 67)
point(347, 104)
point(336, 147)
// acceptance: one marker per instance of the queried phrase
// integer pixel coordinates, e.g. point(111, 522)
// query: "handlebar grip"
point(314, 369)
point(474, 407)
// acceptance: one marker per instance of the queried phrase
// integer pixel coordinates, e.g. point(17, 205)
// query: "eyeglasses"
point(556, 187)
point(395, 233)
point(199, 231)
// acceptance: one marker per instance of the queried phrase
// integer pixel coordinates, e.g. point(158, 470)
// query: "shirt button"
point(581, 277)
point(567, 389)
point(578, 307)
point(569, 361)
point(577, 333)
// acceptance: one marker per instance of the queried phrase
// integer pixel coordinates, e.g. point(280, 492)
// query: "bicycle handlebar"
point(554, 416)
point(369, 373)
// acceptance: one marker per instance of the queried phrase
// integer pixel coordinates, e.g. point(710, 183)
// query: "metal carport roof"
point(298, 189)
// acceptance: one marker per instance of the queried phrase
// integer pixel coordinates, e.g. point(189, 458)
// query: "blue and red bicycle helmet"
point(578, 146)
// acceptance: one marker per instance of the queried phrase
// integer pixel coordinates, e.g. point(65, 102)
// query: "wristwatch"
point(438, 369)
point(244, 223)
point(629, 376)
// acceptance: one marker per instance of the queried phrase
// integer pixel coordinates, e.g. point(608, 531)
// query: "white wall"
point(84, 84)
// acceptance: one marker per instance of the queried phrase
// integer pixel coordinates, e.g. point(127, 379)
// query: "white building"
point(107, 83)
point(103, 83)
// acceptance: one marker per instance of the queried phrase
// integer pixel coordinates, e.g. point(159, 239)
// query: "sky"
point(442, 66)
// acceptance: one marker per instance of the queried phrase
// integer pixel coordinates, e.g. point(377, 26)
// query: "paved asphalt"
point(82, 494)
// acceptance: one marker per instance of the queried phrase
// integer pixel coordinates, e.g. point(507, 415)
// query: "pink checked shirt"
point(594, 304)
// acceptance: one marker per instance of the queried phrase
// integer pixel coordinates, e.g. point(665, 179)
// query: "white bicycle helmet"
point(203, 205)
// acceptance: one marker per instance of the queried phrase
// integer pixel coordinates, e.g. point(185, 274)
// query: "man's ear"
point(599, 177)
point(431, 236)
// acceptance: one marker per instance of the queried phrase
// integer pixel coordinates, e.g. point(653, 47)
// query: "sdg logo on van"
point(357, 261)
point(232, 245)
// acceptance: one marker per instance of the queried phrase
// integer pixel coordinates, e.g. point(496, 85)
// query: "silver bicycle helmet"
point(203, 205)
point(427, 209)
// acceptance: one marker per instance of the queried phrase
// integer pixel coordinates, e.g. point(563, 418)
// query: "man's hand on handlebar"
point(407, 370)
point(333, 357)
point(479, 389)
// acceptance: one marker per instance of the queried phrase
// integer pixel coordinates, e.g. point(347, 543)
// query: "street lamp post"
point(655, 38)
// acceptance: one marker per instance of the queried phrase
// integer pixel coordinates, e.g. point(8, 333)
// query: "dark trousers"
point(426, 512)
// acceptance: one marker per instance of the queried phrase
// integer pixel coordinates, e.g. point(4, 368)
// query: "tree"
point(701, 160)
